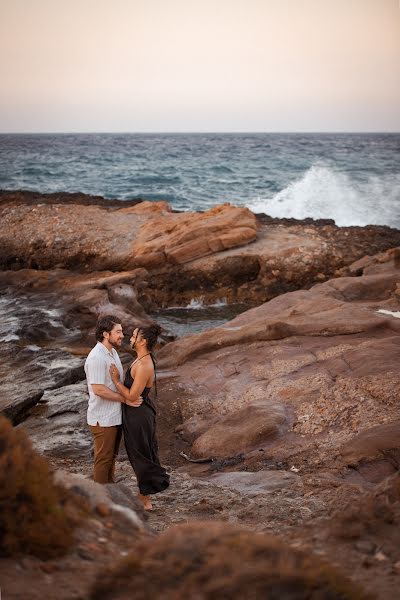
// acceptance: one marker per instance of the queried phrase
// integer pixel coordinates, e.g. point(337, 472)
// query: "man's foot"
point(146, 501)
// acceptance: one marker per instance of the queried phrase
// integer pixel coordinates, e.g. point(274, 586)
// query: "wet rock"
point(43, 369)
point(58, 426)
point(254, 484)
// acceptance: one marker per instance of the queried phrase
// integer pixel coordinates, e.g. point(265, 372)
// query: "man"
point(104, 415)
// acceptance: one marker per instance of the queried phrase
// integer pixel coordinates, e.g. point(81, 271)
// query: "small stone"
point(103, 509)
point(85, 554)
point(365, 546)
point(102, 540)
point(380, 556)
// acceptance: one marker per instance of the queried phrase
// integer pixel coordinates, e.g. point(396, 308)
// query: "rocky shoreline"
point(294, 404)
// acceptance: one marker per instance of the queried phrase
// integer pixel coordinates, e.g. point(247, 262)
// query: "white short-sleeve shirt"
point(97, 368)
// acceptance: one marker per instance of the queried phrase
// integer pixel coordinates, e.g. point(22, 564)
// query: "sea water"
point(351, 178)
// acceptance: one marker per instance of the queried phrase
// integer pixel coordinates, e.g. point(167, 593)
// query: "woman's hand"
point(114, 373)
point(135, 403)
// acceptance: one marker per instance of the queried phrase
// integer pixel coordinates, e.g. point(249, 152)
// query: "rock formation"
point(291, 407)
point(303, 377)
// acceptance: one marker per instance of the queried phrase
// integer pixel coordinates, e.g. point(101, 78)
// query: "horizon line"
point(192, 132)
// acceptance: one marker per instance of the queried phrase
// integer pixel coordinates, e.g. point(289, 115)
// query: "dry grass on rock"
point(210, 561)
point(376, 512)
point(36, 516)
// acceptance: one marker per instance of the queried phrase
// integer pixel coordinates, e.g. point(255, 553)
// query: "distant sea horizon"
point(351, 177)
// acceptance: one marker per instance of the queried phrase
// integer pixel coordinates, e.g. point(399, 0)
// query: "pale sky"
point(199, 65)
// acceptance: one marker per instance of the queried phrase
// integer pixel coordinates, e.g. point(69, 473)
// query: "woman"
point(139, 423)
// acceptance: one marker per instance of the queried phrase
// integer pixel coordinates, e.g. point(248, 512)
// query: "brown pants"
point(106, 444)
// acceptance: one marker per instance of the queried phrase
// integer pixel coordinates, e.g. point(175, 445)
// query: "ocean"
point(351, 178)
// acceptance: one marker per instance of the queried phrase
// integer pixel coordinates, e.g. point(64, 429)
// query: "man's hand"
point(135, 403)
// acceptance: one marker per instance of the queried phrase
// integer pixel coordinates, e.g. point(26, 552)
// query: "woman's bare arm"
point(104, 392)
point(142, 374)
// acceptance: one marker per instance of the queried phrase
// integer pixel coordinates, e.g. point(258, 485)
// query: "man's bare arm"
point(104, 392)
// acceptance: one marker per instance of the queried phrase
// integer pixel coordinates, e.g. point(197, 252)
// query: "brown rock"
point(225, 252)
point(182, 238)
point(304, 375)
point(372, 442)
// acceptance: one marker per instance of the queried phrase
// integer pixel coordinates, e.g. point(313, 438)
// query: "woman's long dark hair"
point(150, 334)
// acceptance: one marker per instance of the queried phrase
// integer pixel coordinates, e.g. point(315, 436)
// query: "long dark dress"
point(139, 426)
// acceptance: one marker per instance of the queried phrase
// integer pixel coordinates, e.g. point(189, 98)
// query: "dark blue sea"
point(351, 178)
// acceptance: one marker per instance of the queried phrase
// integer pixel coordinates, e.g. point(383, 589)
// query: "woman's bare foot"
point(146, 501)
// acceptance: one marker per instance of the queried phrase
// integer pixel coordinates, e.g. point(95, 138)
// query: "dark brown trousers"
point(106, 444)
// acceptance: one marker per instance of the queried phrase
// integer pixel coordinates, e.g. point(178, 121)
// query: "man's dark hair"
point(105, 323)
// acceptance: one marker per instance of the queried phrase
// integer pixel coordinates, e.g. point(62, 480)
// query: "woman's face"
point(136, 337)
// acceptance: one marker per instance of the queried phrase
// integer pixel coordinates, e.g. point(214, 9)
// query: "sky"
point(199, 65)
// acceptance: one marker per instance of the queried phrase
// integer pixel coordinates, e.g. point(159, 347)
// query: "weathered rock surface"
point(284, 258)
point(300, 377)
point(100, 238)
point(57, 425)
point(34, 371)
point(47, 328)
point(258, 483)
point(182, 238)
point(296, 400)
point(225, 252)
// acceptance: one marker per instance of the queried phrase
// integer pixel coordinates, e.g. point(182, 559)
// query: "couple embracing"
point(118, 403)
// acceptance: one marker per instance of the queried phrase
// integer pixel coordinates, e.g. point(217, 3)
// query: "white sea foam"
point(392, 313)
point(195, 304)
point(326, 193)
point(198, 304)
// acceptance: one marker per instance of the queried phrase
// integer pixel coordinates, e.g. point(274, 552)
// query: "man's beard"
point(115, 345)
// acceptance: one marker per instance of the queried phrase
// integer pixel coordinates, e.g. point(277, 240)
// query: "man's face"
point(116, 336)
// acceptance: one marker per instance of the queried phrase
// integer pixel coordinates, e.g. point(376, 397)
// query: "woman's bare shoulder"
point(143, 366)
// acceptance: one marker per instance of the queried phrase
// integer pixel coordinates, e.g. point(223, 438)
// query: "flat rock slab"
point(254, 484)
point(35, 372)
point(57, 426)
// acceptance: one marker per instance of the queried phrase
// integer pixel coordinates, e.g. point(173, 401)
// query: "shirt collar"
point(104, 349)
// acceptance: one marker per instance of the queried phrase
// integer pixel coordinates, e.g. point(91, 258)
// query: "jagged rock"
point(35, 371)
point(182, 238)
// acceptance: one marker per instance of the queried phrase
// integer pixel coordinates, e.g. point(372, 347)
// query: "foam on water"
point(326, 193)
point(392, 313)
point(352, 178)
point(195, 304)
point(198, 304)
